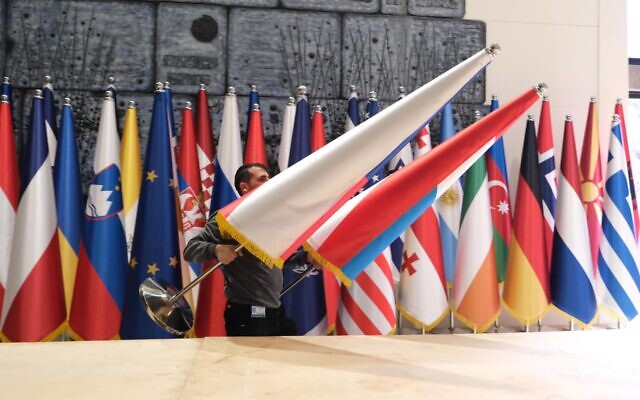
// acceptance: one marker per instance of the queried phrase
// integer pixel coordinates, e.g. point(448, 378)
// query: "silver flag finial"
point(593, 99)
point(159, 86)
point(317, 108)
point(302, 90)
point(529, 117)
point(187, 105)
point(38, 93)
point(47, 79)
point(231, 90)
point(255, 107)
point(111, 80)
point(616, 118)
point(373, 95)
point(568, 117)
point(4, 98)
point(291, 101)
point(6, 79)
point(67, 101)
point(477, 115)
point(132, 104)
point(619, 100)
point(494, 49)
point(352, 88)
point(108, 94)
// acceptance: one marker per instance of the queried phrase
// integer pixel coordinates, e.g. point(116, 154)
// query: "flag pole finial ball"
point(317, 108)
point(494, 49)
point(231, 90)
point(593, 99)
point(529, 117)
point(255, 107)
point(67, 101)
point(187, 105)
point(373, 95)
point(402, 89)
point(541, 88)
point(108, 95)
point(291, 101)
point(494, 97)
point(545, 97)
point(302, 90)
point(616, 118)
point(38, 93)
point(6, 79)
point(47, 79)
point(203, 86)
point(159, 86)
point(568, 118)
point(4, 99)
point(111, 80)
point(477, 115)
point(619, 100)
point(352, 88)
point(253, 87)
point(167, 85)
point(132, 104)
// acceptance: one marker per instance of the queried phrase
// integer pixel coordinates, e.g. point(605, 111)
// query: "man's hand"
point(225, 253)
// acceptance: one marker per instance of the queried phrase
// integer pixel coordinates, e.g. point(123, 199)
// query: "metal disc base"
point(175, 317)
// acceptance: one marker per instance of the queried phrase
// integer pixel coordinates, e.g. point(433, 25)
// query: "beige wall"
point(578, 47)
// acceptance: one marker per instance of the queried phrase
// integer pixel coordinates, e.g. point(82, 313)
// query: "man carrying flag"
point(251, 287)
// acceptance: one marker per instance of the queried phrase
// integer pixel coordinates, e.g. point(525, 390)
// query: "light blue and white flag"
point(619, 281)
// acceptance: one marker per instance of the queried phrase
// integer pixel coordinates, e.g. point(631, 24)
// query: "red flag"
point(632, 187)
point(254, 151)
point(548, 175)
point(206, 147)
point(526, 284)
point(591, 180)
point(9, 189)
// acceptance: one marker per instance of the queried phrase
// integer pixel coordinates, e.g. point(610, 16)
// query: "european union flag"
point(155, 252)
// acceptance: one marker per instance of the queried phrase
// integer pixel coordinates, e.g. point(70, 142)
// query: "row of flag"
point(387, 265)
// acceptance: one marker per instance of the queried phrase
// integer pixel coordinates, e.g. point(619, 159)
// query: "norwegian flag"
point(423, 289)
point(367, 307)
point(9, 189)
point(206, 147)
point(34, 307)
point(548, 175)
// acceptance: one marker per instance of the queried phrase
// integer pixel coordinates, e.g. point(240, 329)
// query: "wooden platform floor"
point(602, 364)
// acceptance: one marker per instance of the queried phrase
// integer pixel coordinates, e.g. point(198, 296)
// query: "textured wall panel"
point(381, 53)
point(394, 7)
point(79, 43)
point(437, 8)
point(191, 47)
point(361, 6)
point(2, 41)
point(237, 3)
point(279, 50)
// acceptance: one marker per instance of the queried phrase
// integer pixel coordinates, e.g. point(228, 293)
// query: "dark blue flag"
point(305, 304)
point(155, 251)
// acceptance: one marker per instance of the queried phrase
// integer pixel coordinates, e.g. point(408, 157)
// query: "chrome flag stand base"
point(159, 300)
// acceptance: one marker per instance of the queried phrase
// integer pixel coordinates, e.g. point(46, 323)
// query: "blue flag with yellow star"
point(155, 251)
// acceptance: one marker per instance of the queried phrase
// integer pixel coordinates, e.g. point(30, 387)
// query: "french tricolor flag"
point(34, 307)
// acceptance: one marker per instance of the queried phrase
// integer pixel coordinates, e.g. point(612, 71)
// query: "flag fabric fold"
point(211, 300)
point(255, 151)
point(206, 147)
point(67, 184)
point(618, 280)
point(336, 171)
point(422, 293)
point(619, 110)
point(500, 201)
point(526, 285)
point(34, 307)
point(286, 133)
point(158, 219)
point(571, 275)
point(50, 123)
point(353, 111)
point(591, 176)
point(9, 189)
point(476, 300)
point(548, 175)
point(306, 304)
point(365, 225)
point(131, 172)
point(98, 295)
point(449, 205)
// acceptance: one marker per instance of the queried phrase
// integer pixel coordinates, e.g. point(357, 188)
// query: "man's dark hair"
point(244, 175)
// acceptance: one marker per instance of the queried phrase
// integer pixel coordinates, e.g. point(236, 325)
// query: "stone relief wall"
point(275, 44)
